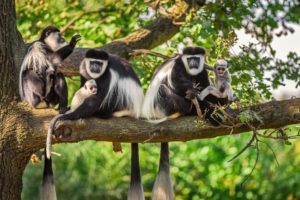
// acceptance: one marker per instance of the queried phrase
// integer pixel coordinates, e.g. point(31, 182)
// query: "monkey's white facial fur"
point(95, 67)
point(91, 86)
point(221, 67)
point(194, 64)
point(55, 41)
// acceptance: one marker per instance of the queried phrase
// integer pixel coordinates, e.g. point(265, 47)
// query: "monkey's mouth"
point(193, 62)
point(96, 66)
point(94, 90)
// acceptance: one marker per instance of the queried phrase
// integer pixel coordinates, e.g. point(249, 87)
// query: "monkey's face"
point(95, 67)
point(221, 69)
point(194, 64)
point(91, 87)
point(55, 40)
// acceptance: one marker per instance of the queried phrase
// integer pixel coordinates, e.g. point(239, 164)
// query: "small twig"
point(137, 52)
point(246, 147)
point(271, 150)
point(198, 110)
point(256, 161)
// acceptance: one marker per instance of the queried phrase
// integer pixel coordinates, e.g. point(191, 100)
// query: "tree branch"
point(274, 114)
point(148, 37)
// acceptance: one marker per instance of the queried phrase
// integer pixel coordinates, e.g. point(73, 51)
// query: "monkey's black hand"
point(191, 93)
point(74, 40)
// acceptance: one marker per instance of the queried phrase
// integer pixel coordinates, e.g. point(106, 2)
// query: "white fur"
point(128, 90)
point(36, 60)
point(48, 191)
point(51, 41)
point(136, 192)
point(149, 110)
point(193, 71)
point(162, 189)
point(87, 67)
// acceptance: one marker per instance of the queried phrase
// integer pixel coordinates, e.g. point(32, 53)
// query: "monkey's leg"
point(61, 90)
point(34, 89)
point(172, 103)
point(208, 90)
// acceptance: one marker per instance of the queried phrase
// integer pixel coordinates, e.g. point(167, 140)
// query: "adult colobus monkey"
point(169, 95)
point(39, 82)
point(120, 94)
point(48, 186)
point(222, 82)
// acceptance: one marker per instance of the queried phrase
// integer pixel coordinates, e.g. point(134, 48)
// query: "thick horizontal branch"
point(148, 37)
point(273, 114)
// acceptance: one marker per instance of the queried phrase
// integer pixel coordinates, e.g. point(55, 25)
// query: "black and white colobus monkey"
point(168, 96)
point(48, 185)
point(39, 82)
point(120, 94)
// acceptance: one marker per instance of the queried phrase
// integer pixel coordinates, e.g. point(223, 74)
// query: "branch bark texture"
point(274, 114)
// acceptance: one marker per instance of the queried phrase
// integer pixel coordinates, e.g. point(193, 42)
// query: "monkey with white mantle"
point(89, 90)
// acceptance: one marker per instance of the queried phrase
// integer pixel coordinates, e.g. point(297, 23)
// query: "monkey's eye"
point(220, 69)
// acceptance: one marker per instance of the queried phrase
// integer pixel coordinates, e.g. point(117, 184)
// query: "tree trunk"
point(13, 159)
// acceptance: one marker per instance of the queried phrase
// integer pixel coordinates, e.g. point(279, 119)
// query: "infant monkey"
point(222, 82)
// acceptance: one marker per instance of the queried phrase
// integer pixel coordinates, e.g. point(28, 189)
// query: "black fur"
point(97, 54)
point(47, 85)
point(193, 51)
point(124, 69)
point(172, 100)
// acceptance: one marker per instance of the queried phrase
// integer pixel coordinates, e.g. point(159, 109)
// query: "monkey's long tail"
point(162, 189)
point(48, 186)
point(49, 134)
point(136, 191)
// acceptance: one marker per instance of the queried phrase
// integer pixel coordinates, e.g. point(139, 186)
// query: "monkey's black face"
point(95, 66)
point(193, 62)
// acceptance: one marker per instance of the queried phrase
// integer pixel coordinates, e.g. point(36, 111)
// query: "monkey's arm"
point(65, 51)
point(210, 68)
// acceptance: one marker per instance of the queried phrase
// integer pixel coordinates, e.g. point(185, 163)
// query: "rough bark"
point(139, 131)
point(13, 157)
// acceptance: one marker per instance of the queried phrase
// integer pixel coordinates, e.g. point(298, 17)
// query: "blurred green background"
point(200, 169)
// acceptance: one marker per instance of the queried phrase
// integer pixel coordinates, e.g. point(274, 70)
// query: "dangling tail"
point(136, 191)
point(48, 187)
point(49, 134)
point(162, 189)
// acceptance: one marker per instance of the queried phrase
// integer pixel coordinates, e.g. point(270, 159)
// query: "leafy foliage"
point(200, 169)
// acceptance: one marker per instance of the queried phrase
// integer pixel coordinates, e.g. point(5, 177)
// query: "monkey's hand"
point(74, 40)
point(191, 93)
